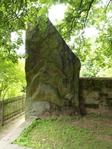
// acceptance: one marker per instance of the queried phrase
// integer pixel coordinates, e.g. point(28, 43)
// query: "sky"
point(56, 13)
point(14, 38)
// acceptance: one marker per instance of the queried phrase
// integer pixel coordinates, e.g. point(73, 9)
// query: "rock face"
point(52, 71)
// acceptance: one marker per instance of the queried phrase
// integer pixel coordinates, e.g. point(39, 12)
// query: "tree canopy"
point(94, 54)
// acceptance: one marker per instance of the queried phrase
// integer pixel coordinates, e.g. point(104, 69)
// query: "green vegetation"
point(91, 132)
point(12, 78)
point(95, 52)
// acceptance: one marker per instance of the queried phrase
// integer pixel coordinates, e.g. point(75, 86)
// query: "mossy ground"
point(91, 132)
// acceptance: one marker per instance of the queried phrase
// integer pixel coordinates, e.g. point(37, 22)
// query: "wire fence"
point(10, 108)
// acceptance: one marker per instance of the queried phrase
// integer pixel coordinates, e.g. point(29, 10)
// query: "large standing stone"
point(52, 70)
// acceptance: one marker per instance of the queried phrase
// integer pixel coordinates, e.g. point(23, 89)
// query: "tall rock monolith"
point(52, 71)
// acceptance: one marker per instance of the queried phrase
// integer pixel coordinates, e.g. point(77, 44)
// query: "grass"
point(91, 132)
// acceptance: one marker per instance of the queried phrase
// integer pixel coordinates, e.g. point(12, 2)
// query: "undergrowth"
point(67, 133)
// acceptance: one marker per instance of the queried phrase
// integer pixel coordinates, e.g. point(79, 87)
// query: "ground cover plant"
point(91, 132)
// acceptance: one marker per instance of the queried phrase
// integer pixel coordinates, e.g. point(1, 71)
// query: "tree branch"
point(108, 5)
point(89, 8)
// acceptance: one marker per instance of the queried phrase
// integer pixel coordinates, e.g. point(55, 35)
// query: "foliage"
point(14, 15)
point(94, 52)
point(67, 132)
point(12, 79)
point(80, 14)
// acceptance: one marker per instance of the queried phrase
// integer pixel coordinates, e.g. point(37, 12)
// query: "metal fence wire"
point(9, 108)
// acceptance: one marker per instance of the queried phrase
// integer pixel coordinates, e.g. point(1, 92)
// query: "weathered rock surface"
point(52, 70)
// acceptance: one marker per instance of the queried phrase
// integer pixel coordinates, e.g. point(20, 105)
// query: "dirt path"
point(11, 126)
point(10, 132)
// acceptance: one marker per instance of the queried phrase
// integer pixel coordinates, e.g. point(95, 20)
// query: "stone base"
point(40, 109)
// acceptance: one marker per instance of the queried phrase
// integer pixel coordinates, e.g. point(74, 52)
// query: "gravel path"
point(10, 132)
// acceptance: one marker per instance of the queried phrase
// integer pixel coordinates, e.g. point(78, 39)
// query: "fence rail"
point(9, 108)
